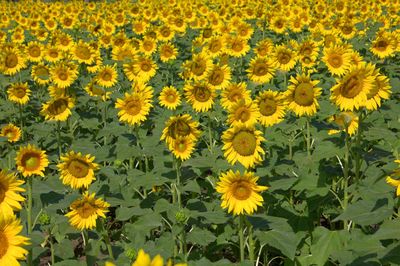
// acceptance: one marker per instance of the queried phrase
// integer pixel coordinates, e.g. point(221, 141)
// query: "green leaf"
point(324, 244)
point(200, 236)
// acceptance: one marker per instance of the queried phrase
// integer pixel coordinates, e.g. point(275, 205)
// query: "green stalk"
point(210, 134)
point(107, 241)
point(29, 217)
point(241, 237)
point(59, 138)
point(251, 242)
point(85, 237)
point(357, 155)
point(105, 125)
point(21, 120)
point(51, 248)
point(178, 181)
point(346, 175)
point(308, 137)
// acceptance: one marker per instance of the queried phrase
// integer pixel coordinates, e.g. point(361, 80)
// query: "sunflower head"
point(58, 109)
point(170, 98)
point(272, 107)
point(19, 93)
point(200, 95)
point(134, 107)
point(302, 95)
point(11, 132)
point(31, 160)
point(180, 126)
point(11, 242)
point(9, 193)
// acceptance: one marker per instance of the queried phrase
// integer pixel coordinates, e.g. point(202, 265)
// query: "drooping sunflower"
point(180, 126)
point(10, 199)
point(302, 95)
point(145, 68)
point(240, 192)
point(19, 93)
point(31, 160)
point(272, 107)
point(134, 108)
point(345, 121)
point(338, 59)
point(11, 132)
point(107, 76)
point(11, 60)
point(350, 92)
point(182, 147)
point(234, 93)
point(243, 113)
point(380, 90)
point(86, 210)
point(219, 77)
point(63, 75)
point(261, 70)
point(243, 144)
point(58, 109)
point(11, 242)
point(200, 95)
point(41, 74)
point(170, 98)
point(167, 52)
point(77, 170)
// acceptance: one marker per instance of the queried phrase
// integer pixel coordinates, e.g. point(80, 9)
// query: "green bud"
point(131, 253)
point(181, 217)
point(117, 163)
point(44, 219)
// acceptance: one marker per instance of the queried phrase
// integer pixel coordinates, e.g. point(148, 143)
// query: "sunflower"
point(278, 24)
point(285, 58)
point(63, 75)
point(165, 33)
point(143, 259)
point(170, 98)
point(11, 132)
point(85, 211)
point(200, 95)
point(337, 59)
point(34, 51)
point(41, 74)
point(219, 77)
point(302, 95)
point(240, 192)
point(107, 76)
point(395, 182)
point(243, 144)
point(199, 66)
point(272, 107)
point(167, 52)
point(148, 46)
point(77, 170)
point(261, 70)
point(83, 53)
point(11, 61)
point(243, 113)
point(264, 47)
point(31, 160)
point(134, 108)
point(215, 46)
point(57, 109)
point(383, 45)
point(95, 90)
point(351, 91)
point(125, 53)
point(237, 46)
point(145, 68)
point(10, 242)
point(19, 93)
point(380, 90)
point(180, 126)
point(182, 147)
point(9, 193)
point(346, 121)
point(52, 54)
point(234, 93)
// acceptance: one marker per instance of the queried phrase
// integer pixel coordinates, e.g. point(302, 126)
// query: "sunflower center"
point(78, 168)
point(10, 135)
point(19, 92)
point(167, 51)
point(201, 93)
point(181, 146)
point(381, 45)
point(304, 94)
point(86, 210)
point(11, 60)
point(351, 88)
point(107, 76)
point(198, 67)
point(3, 245)
point(53, 53)
point(63, 75)
point(235, 96)
point(171, 98)
point(260, 69)
point(244, 143)
point(31, 161)
point(237, 46)
point(267, 107)
point(242, 114)
point(145, 66)
point(217, 77)
point(58, 107)
point(42, 73)
point(347, 29)
point(3, 190)
point(83, 53)
point(215, 46)
point(133, 107)
point(306, 50)
point(34, 51)
point(148, 45)
point(241, 191)
point(335, 60)
point(179, 128)
point(284, 57)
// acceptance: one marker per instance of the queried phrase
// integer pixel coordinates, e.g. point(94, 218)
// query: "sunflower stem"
point(85, 237)
point(51, 248)
point(210, 134)
point(107, 241)
point(29, 216)
point(308, 137)
point(21, 120)
point(241, 237)
point(346, 176)
point(105, 125)
point(357, 154)
point(59, 137)
point(251, 242)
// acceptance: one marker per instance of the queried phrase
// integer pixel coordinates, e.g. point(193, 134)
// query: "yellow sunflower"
point(52, 54)
point(234, 93)
point(11, 132)
point(10, 199)
point(350, 92)
point(243, 144)
point(58, 109)
point(344, 120)
point(264, 47)
point(34, 51)
point(41, 74)
point(145, 68)
point(395, 181)
point(148, 46)
point(200, 95)
point(11, 61)
point(198, 67)
point(83, 53)
point(243, 113)
point(215, 46)
point(143, 259)
point(237, 46)
point(272, 107)
point(383, 45)
point(219, 77)
point(285, 58)
point(380, 90)
point(337, 59)
point(63, 75)
point(86, 210)
point(302, 95)
point(170, 98)
point(11, 242)
point(261, 70)
point(180, 126)
point(167, 52)
point(134, 108)
point(107, 76)
point(31, 160)
point(19, 93)
point(77, 170)
point(182, 147)
point(240, 192)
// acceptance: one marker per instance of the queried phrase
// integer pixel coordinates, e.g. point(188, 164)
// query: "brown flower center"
point(215, 46)
point(198, 67)
point(20, 92)
point(171, 98)
point(216, 77)
point(3, 190)
point(335, 60)
point(57, 107)
point(284, 58)
point(351, 87)
point(107, 76)
point(133, 107)
point(179, 128)
point(34, 51)
point(145, 66)
point(63, 75)
point(11, 60)
point(235, 96)
point(237, 46)
point(78, 168)
point(381, 45)
point(267, 106)
point(86, 210)
point(242, 114)
point(201, 93)
point(241, 190)
point(82, 52)
point(31, 161)
point(42, 73)
point(244, 143)
point(260, 69)
point(4, 244)
point(304, 94)
point(167, 51)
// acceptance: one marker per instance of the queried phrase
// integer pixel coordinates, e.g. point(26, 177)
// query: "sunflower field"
point(193, 132)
